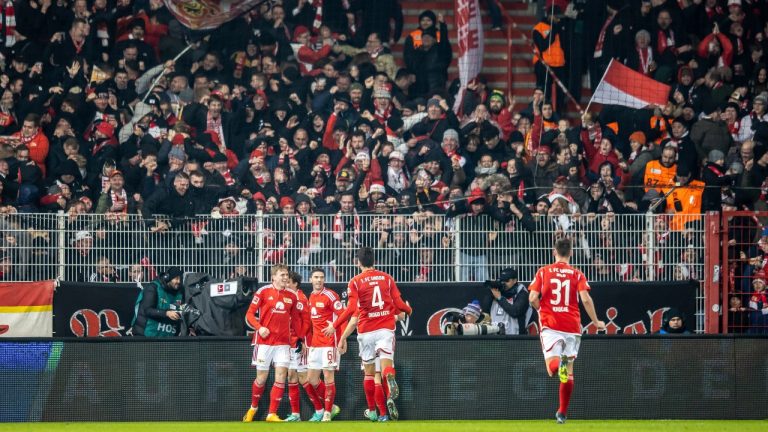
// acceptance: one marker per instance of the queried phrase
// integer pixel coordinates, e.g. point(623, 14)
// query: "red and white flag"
point(26, 309)
point(208, 14)
point(627, 87)
point(469, 31)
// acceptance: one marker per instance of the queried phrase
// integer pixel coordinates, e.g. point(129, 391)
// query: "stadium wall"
point(617, 377)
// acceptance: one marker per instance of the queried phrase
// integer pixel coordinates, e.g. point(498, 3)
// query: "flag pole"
point(160, 75)
point(598, 84)
point(549, 70)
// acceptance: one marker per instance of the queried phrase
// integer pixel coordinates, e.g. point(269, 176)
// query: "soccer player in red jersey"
point(553, 293)
point(277, 315)
point(297, 370)
point(325, 306)
point(373, 303)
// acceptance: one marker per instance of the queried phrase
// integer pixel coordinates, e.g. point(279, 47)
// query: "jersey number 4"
point(376, 300)
point(557, 289)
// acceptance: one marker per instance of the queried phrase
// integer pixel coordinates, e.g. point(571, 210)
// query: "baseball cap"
point(507, 274)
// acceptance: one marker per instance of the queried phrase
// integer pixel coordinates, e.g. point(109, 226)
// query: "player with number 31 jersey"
point(555, 292)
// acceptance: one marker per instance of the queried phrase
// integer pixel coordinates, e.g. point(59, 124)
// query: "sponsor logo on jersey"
point(280, 306)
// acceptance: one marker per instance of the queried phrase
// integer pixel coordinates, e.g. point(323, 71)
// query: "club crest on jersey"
point(287, 300)
point(337, 305)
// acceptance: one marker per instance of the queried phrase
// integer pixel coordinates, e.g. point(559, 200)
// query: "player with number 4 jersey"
point(373, 304)
point(555, 292)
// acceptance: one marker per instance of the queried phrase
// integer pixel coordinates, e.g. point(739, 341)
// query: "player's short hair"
point(295, 277)
point(563, 247)
point(277, 268)
point(365, 256)
point(317, 270)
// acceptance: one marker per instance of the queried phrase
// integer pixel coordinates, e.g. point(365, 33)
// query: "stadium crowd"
point(300, 111)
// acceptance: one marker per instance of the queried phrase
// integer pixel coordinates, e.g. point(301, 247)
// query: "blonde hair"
point(277, 268)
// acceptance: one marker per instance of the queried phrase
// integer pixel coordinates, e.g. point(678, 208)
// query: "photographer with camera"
point(507, 303)
point(159, 306)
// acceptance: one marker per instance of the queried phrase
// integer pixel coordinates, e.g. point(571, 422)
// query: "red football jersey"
point(559, 284)
point(305, 324)
point(277, 311)
point(324, 307)
point(376, 299)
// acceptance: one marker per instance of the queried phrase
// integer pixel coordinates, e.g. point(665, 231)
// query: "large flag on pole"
point(208, 14)
point(627, 87)
point(26, 309)
point(469, 30)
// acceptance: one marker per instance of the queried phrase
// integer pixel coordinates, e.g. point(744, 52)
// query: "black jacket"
point(514, 302)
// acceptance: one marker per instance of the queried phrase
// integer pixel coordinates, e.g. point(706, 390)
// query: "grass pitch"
point(403, 426)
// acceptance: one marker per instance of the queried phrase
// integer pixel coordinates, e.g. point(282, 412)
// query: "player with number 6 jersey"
point(373, 304)
point(555, 292)
point(325, 306)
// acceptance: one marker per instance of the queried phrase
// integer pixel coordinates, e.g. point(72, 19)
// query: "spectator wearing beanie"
point(710, 133)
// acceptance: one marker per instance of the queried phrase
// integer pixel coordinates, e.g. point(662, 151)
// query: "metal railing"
point(421, 247)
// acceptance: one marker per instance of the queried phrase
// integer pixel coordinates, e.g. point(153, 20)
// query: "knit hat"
point(362, 155)
point(177, 153)
point(286, 201)
point(472, 309)
point(715, 155)
point(298, 31)
point(638, 136)
point(433, 102)
point(396, 155)
point(382, 93)
point(106, 129)
point(377, 186)
point(476, 196)
point(451, 133)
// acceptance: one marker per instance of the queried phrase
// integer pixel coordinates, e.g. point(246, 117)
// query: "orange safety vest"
point(661, 123)
point(685, 202)
point(659, 177)
point(416, 36)
point(554, 55)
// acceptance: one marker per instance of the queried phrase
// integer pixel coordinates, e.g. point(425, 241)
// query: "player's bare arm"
point(589, 306)
point(533, 299)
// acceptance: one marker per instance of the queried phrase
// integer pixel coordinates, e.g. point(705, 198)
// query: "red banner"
point(26, 309)
point(469, 31)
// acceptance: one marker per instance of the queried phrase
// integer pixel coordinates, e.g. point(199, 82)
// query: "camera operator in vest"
point(507, 303)
point(159, 307)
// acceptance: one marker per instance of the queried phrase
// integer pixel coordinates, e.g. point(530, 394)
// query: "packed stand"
point(299, 111)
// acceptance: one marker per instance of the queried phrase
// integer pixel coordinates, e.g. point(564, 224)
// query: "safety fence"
point(420, 247)
point(448, 378)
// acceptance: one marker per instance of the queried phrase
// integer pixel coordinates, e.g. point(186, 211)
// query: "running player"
point(297, 371)
point(553, 294)
point(373, 303)
point(325, 307)
point(277, 314)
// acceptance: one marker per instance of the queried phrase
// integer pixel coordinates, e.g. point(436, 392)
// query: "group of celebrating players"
point(300, 336)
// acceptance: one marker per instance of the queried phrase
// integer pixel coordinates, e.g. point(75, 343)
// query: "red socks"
point(275, 396)
point(565, 395)
point(320, 390)
point(553, 365)
point(330, 395)
point(313, 397)
point(381, 401)
point(294, 397)
point(256, 391)
point(369, 386)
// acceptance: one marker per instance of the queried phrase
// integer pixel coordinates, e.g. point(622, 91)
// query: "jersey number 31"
point(557, 288)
